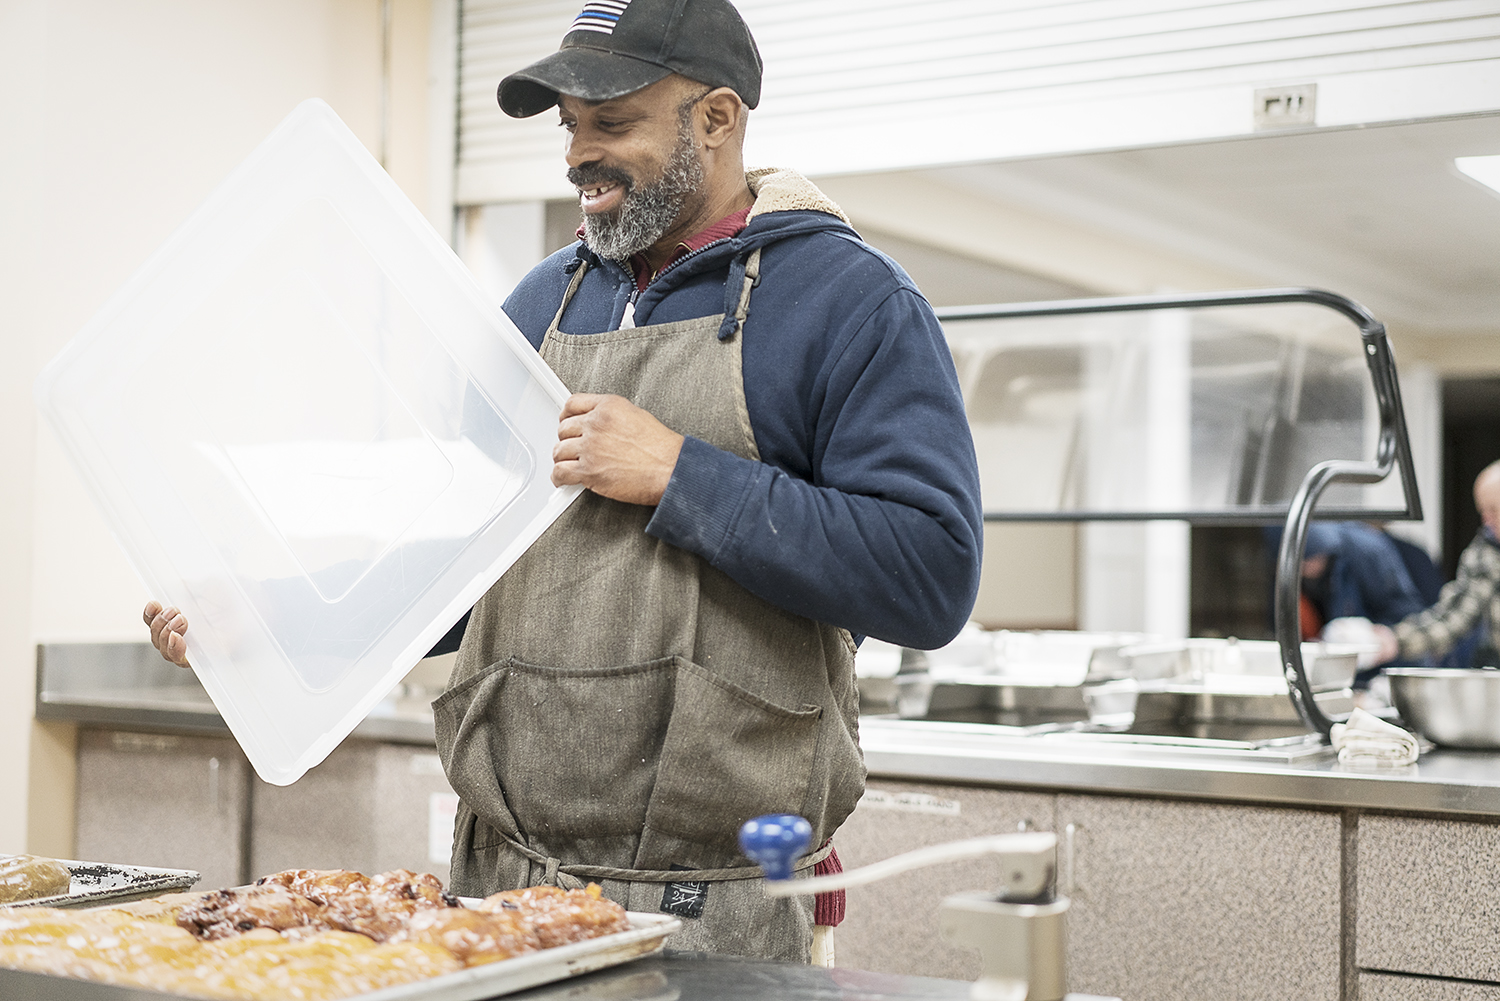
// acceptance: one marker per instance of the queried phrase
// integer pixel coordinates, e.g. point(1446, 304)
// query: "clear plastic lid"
point(310, 431)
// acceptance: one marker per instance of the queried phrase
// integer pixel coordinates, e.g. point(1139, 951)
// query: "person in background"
point(1424, 570)
point(1470, 602)
point(1354, 570)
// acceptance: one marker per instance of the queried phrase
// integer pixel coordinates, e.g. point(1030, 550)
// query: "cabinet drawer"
point(891, 926)
point(1394, 987)
point(1429, 897)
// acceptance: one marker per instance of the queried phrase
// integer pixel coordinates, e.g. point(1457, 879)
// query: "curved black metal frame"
point(1392, 451)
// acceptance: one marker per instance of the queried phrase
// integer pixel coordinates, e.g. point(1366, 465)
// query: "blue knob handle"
point(775, 842)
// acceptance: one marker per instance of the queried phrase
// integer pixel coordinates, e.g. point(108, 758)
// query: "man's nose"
point(581, 149)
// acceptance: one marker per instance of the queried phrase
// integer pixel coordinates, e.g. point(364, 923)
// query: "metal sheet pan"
point(106, 883)
point(646, 935)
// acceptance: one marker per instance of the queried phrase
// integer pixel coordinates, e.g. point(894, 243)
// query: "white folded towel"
point(1369, 740)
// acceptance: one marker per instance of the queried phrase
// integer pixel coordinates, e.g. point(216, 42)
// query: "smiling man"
point(768, 423)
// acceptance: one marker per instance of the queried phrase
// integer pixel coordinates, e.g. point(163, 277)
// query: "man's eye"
point(570, 126)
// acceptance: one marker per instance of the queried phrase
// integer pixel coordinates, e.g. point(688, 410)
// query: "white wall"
point(21, 97)
point(501, 243)
point(125, 117)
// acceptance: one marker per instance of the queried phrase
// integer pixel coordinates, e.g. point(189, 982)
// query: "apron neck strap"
point(744, 275)
point(583, 266)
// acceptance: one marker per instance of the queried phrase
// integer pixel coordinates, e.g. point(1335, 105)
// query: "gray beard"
point(649, 210)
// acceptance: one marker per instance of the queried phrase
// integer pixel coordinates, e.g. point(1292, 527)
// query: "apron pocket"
point(462, 728)
point(729, 755)
point(570, 753)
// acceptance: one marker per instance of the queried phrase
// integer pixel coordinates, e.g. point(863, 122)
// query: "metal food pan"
point(1455, 707)
point(106, 883)
point(646, 935)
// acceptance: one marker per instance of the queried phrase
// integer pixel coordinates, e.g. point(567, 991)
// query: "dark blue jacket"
point(1366, 576)
point(864, 510)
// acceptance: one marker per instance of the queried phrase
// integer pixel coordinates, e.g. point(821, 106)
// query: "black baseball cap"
point(616, 47)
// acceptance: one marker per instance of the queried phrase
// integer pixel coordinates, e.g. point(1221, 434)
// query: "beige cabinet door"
point(173, 801)
point(1429, 897)
point(1394, 987)
point(1182, 901)
point(370, 807)
point(891, 926)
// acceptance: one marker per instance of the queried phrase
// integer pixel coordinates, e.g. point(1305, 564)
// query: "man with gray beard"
point(777, 461)
point(647, 211)
point(768, 423)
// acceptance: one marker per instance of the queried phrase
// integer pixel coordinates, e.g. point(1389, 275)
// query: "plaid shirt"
point(1475, 592)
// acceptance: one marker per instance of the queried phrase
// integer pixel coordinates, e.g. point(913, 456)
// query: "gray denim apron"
point(619, 707)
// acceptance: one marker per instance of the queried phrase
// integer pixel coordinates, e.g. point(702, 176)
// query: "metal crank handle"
point(1028, 861)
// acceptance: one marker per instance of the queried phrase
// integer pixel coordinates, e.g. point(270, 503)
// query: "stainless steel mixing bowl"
point(1456, 708)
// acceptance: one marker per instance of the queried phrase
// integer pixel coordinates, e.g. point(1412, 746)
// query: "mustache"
point(592, 175)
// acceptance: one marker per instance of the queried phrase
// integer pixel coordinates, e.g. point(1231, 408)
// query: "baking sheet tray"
point(646, 935)
point(106, 883)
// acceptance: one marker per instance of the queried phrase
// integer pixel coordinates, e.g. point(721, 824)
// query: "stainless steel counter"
point(128, 687)
point(1442, 781)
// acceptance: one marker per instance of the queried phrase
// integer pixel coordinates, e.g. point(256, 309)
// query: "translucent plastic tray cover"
point(311, 432)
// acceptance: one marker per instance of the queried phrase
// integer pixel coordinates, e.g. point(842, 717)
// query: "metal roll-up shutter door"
point(890, 84)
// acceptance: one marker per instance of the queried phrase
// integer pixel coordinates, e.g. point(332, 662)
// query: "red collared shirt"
point(729, 226)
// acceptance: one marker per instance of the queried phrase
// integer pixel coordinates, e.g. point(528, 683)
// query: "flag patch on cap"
point(600, 16)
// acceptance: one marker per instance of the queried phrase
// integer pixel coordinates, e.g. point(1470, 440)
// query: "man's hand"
point(168, 630)
point(1389, 647)
point(614, 448)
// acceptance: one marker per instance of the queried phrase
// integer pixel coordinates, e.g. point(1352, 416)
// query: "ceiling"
point(1377, 213)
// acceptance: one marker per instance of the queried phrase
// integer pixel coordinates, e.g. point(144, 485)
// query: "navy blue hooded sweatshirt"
point(864, 511)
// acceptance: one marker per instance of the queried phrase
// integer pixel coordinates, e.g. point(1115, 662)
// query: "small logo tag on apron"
point(685, 900)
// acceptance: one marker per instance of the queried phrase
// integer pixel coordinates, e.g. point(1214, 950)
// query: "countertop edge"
point(1444, 782)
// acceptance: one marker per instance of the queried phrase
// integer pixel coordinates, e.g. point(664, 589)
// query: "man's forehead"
point(661, 94)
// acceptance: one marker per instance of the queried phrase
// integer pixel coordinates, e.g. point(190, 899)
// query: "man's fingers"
point(176, 649)
point(567, 449)
point(571, 427)
point(579, 403)
point(157, 624)
point(165, 623)
point(168, 632)
point(566, 473)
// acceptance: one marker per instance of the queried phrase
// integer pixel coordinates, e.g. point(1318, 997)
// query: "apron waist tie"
point(570, 877)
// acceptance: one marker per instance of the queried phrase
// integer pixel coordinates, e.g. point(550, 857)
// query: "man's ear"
point(723, 112)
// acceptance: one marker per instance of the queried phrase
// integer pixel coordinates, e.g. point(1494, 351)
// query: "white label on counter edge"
point(910, 802)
